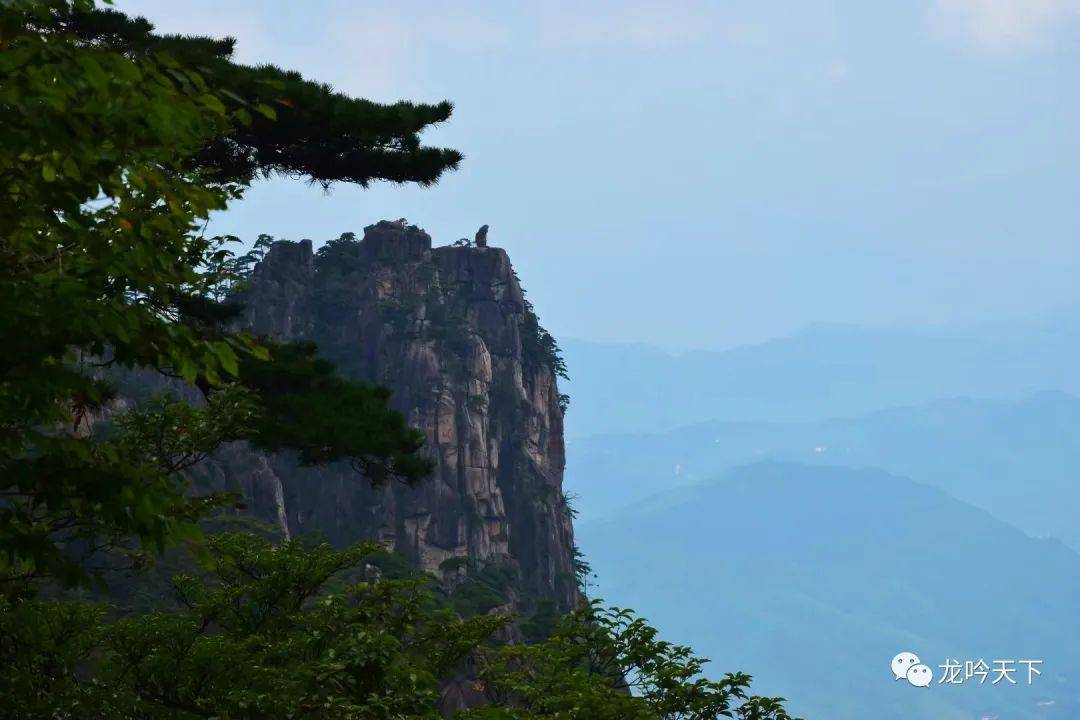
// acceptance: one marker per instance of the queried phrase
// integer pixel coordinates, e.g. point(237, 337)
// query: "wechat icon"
point(907, 666)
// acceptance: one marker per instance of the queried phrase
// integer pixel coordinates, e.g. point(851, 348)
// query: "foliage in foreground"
point(286, 631)
point(287, 125)
point(266, 632)
point(608, 664)
point(117, 146)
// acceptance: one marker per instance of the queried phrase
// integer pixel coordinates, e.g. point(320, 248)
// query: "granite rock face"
point(444, 329)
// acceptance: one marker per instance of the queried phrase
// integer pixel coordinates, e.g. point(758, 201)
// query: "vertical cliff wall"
point(448, 331)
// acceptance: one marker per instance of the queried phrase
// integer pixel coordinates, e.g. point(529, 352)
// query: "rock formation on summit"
point(449, 332)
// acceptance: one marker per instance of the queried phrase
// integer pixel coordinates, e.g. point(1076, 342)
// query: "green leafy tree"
point(607, 664)
point(267, 632)
point(98, 241)
point(271, 631)
point(117, 145)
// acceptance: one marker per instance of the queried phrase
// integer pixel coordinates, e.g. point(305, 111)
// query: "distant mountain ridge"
point(813, 577)
point(1019, 460)
point(822, 372)
point(812, 505)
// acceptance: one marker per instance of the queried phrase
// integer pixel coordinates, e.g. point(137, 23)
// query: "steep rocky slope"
point(449, 332)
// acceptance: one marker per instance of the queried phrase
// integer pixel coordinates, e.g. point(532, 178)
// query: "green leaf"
point(227, 358)
point(71, 169)
point(212, 102)
point(266, 111)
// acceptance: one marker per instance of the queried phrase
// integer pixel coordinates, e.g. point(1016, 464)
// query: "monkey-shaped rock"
point(481, 236)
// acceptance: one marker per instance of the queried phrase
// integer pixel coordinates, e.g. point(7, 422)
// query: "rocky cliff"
point(449, 332)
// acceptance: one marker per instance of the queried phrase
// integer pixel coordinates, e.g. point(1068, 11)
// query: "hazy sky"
point(703, 174)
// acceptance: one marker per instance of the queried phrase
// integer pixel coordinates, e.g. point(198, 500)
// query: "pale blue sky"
point(701, 174)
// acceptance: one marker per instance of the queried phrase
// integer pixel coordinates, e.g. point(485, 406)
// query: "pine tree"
point(293, 126)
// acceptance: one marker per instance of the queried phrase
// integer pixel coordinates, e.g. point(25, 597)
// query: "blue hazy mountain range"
point(832, 498)
point(822, 372)
point(1017, 459)
point(812, 578)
